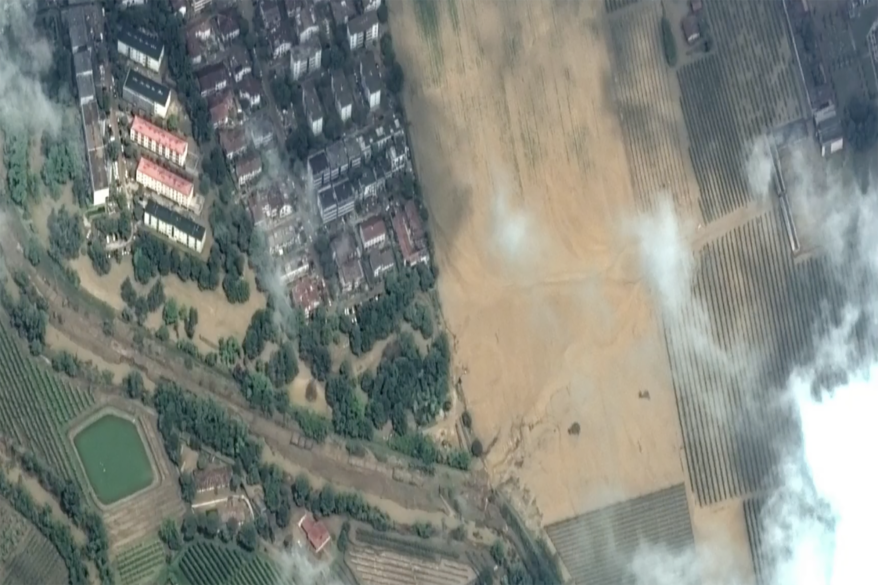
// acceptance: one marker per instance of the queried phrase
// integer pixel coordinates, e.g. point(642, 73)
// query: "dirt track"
point(524, 168)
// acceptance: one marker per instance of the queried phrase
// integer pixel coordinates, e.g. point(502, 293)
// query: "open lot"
point(529, 189)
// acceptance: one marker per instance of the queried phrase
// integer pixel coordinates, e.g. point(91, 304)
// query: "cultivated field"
point(36, 406)
point(647, 100)
point(762, 310)
point(524, 166)
point(730, 99)
point(140, 562)
point(26, 556)
point(601, 546)
point(209, 563)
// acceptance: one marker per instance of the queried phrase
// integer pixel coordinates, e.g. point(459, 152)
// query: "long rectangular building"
point(147, 94)
point(164, 182)
point(168, 146)
point(174, 225)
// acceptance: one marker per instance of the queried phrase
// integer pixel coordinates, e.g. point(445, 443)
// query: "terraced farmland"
point(35, 406)
point(34, 560)
point(598, 547)
point(749, 294)
point(745, 88)
point(649, 111)
point(141, 562)
point(209, 563)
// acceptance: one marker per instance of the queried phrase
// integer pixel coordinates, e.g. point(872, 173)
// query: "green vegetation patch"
point(114, 458)
point(210, 563)
point(140, 562)
point(35, 406)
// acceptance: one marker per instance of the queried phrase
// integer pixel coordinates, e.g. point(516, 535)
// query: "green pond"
point(114, 458)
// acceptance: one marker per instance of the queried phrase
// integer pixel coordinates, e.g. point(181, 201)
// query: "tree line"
point(206, 422)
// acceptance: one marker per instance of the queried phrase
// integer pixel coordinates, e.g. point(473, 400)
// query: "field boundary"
point(92, 416)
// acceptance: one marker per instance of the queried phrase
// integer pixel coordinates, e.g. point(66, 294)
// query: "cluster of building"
point(814, 73)
point(171, 197)
point(85, 25)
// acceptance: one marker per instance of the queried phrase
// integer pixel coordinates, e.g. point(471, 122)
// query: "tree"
point(382, 13)
point(129, 294)
point(65, 234)
point(187, 486)
point(190, 526)
point(133, 385)
point(466, 419)
point(669, 43)
point(210, 527)
point(170, 312)
point(498, 552)
point(861, 124)
point(476, 448)
point(191, 322)
point(247, 537)
point(169, 533)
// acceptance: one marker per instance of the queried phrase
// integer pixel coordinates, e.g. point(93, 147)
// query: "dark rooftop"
point(341, 89)
point(180, 222)
point(326, 198)
point(311, 102)
point(140, 41)
point(146, 87)
point(362, 23)
point(318, 162)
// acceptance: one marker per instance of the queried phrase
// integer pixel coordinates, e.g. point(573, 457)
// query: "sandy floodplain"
point(524, 169)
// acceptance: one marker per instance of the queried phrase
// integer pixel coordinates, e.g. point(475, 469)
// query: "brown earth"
point(525, 173)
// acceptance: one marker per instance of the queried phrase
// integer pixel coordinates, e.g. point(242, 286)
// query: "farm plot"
point(382, 566)
point(649, 112)
point(762, 310)
point(14, 528)
point(735, 96)
point(132, 520)
point(753, 519)
point(35, 406)
point(210, 563)
point(141, 562)
point(614, 5)
point(34, 561)
point(598, 547)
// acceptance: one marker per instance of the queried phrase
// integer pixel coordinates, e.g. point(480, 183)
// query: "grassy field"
point(35, 406)
point(141, 562)
point(26, 557)
point(114, 458)
point(744, 89)
point(212, 563)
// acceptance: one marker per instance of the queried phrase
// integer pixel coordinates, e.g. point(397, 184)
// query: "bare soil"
point(529, 191)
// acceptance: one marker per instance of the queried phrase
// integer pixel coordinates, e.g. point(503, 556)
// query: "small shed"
point(691, 31)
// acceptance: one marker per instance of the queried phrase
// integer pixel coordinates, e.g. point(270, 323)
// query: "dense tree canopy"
point(66, 234)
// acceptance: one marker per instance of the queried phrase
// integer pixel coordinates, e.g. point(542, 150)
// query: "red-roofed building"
point(168, 146)
point(373, 232)
point(308, 293)
point(315, 531)
point(410, 234)
point(165, 182)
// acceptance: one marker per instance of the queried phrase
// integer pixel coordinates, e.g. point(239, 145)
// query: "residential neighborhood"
point(301, 106)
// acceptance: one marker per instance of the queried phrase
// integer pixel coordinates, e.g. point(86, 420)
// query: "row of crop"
point(36, 406)
point(405, 547)
point(14, 527)
point(140, 562)
point(207, 563)
point(35, 562)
